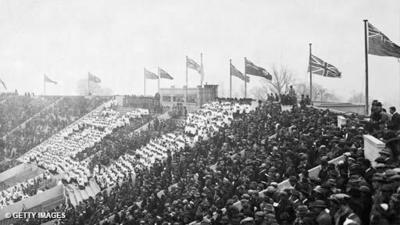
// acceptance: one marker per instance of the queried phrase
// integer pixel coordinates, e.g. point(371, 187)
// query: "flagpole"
point(202, 70)
point(144, 82)
point(245, 75)
point(309, 68)
point(366, 66)
point(159, 80)
point(88, 87)
point(186, 90)
point(44, 86)
point(230, 78)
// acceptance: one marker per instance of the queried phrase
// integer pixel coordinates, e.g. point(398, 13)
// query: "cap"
point(247, 219)
point(318, 204)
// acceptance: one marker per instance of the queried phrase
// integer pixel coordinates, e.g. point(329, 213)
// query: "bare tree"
point(259, 93)
point(282, 78)
point(319, 93)
point(357, 98)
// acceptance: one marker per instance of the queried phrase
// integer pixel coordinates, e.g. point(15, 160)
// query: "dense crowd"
point(14, 109)
point(227, 165)
point(61, 153)
point(25, 189)
point(232, 177)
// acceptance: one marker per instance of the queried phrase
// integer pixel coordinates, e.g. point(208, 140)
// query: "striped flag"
point(93, 78)
point(320, 67)
point(252, 69)
point(190, 63)
point(236, 73)
point(150, 75)
point(2, 83)
point(164, 74)
point(48, 80)
point(380, 44)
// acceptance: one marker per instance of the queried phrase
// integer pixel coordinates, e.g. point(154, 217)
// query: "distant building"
point(195, 96)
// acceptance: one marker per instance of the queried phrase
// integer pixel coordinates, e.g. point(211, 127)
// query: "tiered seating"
point(59, 152)
point(48, 122)
point(209, 119)
point(23, 190)
point(15, 109)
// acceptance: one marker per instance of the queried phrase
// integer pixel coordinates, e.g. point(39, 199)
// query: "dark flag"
point(48, 80)
point(93, 78)
point(190, 63)
point(252, 69)
point(150, 75)
point(380, 44)
point(320, 67)
point(164, 74)
point(4, 84)
point(236, 73)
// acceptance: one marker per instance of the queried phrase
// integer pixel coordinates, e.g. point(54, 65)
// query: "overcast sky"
point(115, 39)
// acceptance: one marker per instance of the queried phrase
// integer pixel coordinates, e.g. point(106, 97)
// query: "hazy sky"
point(116, 39)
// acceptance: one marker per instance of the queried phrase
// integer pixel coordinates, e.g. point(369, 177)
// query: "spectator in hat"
point(320, 213)
point(394, 123)
point(342, 213)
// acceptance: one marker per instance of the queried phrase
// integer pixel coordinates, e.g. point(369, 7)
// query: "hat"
point(339, 196)
point(365, 189)
point(318, 204)
point(260, 213)
point(246, 196)
point(385, 151)
point(269, 208)
point(387, 187)
point(395, 178)
point(274, 184)
point(247, 219)
point(378, 177)
point(302, 210)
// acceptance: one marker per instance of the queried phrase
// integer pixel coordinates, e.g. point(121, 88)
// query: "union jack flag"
point(190, 63)
point(320, 67)
point(380, 44)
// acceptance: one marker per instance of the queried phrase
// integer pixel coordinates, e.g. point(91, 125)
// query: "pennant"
point(379, 44)
point(252, 69)
point(320, 67)
point(150, 75)
point(48, 80)
point(93, 78)
point(190, 63)
point(164, 74)
point(236, 73)
point(2, 83)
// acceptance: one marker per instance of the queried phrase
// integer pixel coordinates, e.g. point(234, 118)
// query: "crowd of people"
point(232, 176)
point(381, 120)
point(61, 153)
point(226, 166)
point(25, 189)
point(14, 109)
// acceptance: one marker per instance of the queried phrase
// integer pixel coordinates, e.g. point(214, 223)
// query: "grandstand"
point(231, 161)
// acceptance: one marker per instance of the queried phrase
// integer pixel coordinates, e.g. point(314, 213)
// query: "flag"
point(190, 63)
point(93, 78)
point(252, 69)
point(236, 73)
point(320, 67)
point(150, 75)
point(380, 44)
point(164, 74)
point(48, 80)
point(4, 84)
